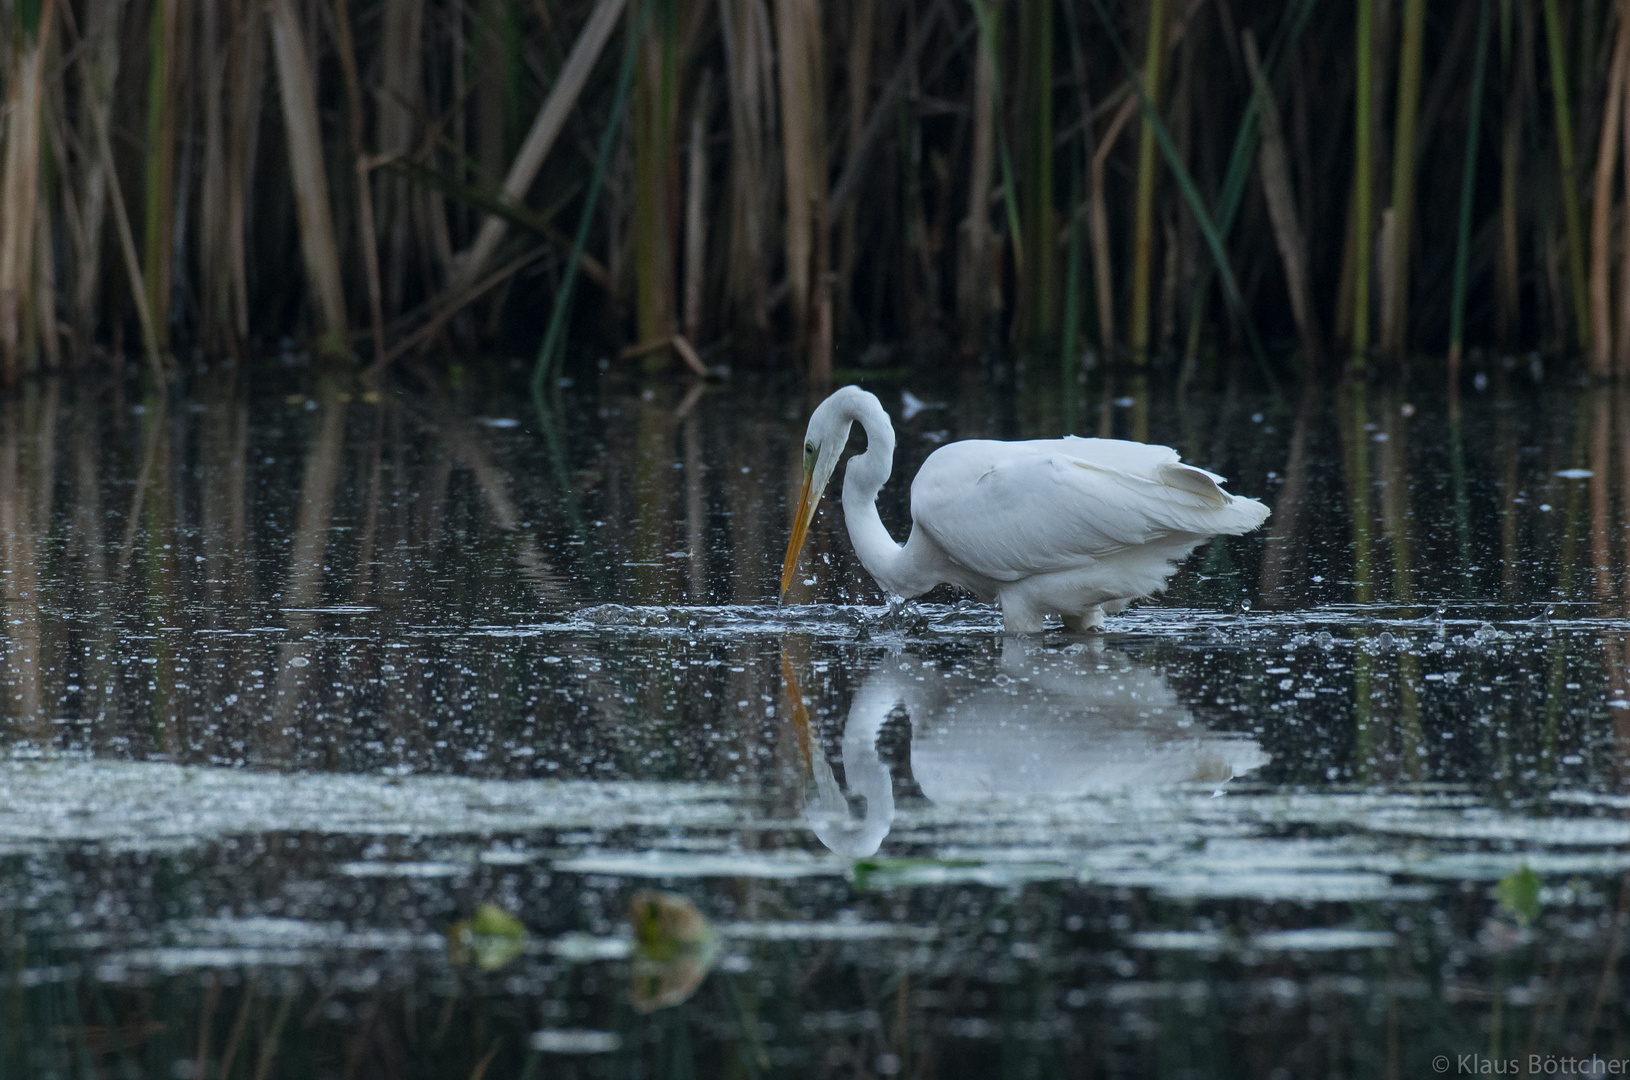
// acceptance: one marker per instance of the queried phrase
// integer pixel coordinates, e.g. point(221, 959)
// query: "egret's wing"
point(1008, 510)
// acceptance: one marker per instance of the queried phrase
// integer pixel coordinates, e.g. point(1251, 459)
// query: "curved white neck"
point(862, 480)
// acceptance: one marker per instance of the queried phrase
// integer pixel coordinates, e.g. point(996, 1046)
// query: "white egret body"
point(1071, 527)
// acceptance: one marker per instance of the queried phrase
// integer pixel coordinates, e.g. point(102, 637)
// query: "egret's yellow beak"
point(800, 529)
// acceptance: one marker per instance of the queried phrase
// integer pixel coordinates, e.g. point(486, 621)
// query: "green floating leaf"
point(1518, 893)
point(864, 873)
point(674, 946)
point(489, 939)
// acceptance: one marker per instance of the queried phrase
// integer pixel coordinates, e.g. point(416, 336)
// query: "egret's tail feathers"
point(1242, 515)
point(1233, 514)
point(1195, 482)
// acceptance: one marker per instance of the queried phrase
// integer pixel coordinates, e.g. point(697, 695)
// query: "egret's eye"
point(809, 455)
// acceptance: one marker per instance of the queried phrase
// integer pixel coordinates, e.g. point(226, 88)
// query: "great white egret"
point(1071, 527)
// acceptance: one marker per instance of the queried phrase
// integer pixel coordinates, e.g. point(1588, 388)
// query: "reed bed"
point(810, 186)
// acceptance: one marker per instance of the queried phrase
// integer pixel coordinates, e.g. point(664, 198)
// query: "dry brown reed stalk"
point(298, 92)
point(862, 22)
point(546, 127)
point(158, 248)
point(245, 87)
point(98, 68)
point(20, 187)
point(677, 342)
point(696, 210)
point(847, 187)
point(1508, 273)
point(491, 90)
point(1601, 210)
point(1563, 111)
point(400, 101)
point(1274, 167)
point(127, 247)
point(367, 237)
point(804, 157)
point(653, 121)
point(1037, 274)
point(447, 306)
point(1621, 349)
point(749, 59)
point(1355, 315)
point(976, 270)
point(1144, 214)
point(214, 258)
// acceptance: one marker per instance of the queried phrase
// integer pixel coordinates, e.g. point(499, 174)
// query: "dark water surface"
point(299, 682)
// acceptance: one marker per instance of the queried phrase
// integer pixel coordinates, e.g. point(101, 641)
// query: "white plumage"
point(1070, 527)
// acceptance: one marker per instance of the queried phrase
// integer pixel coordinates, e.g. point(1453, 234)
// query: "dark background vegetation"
point(777, 182)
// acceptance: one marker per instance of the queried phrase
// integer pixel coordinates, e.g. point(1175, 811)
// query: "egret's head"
point(823, 444)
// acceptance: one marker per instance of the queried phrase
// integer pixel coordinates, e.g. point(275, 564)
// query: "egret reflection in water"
point(1031, 723)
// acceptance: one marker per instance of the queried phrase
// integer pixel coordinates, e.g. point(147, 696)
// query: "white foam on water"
point(137, 806)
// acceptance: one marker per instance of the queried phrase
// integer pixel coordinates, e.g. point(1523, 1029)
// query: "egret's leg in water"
point(1091, 619)
point(1019, 614)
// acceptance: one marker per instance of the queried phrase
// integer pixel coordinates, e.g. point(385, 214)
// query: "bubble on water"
point(1325, 639)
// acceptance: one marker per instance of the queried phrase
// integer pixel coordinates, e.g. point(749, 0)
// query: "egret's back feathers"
point(1009, 510)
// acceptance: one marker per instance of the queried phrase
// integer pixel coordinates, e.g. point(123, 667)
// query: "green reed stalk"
point(1037, 300)
point(1468, 190)
point(1238, 174)
point(1363, 177)
point(1144, 215)
point(551, 352)
point(1395, 308)
point(1565, 162)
